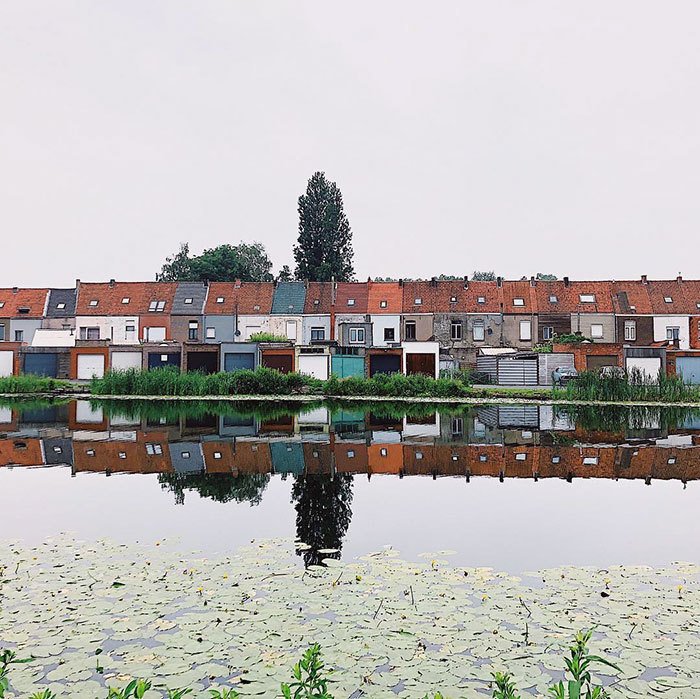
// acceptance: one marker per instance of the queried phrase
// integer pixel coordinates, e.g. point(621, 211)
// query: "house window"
point(590, 460)
point(94, 302)
point(410, 330)
point(526, 330)
point(2, 304)
point(668, 299)
point(89, 333)
point(291, 327)
point(553, 299)
point(596, 331)
point(383, 304)
point(19, 335)
point(351, 302)
point(478, 331)
point(154, 449)
point(518, 302)
point(418, 301)
point(456, 330)
point(318, 334)
point(126, 299)
point(481, 299)
point(389, 334)
point(586, 298)
point(219, 299)
point(60, 306)
point(154, 334)
point(357, 336)
point(548, 332)
point(630, 330)
point(211, 333)
point(188, 301)
point(193, 330)
point(457, 425)
point(130, 329)
point(2, 333)
point(453, 299)
point(673, 333)
point(522, 456)
point(156, 306)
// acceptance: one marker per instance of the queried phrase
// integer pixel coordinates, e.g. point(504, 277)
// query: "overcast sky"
point(518, 136)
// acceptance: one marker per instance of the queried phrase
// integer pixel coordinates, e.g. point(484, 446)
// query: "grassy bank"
point(633, 386)
point(268, 382)
point(27, 383)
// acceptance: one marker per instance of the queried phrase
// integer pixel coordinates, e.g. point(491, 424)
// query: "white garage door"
point(6, 363)
point(315, 365)
point(90, 365)
point(121, 361)
point(649, 366)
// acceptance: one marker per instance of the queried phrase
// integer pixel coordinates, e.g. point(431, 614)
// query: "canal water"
point(516, 488)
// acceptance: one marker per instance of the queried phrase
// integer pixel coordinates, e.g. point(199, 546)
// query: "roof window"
point(188, 301)
point(126, 299)
point(518, 301)
point(453, 299)
point(219, 299)
point(481, 299)
point(156, 306)
point(418, 301)
point(384, 304)
point(553, 299)
point(668, 299)
point(351, 302)
point(586, 298)
point(60, 306)
point(94, 302)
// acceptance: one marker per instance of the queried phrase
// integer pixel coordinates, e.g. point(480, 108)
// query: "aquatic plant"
point(7, 659)
point(309, 681)
point(505, 687)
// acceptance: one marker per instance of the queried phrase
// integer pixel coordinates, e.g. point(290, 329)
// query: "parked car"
point(563, 374)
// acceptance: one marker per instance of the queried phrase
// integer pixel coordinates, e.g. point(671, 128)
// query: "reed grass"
point(28, 383)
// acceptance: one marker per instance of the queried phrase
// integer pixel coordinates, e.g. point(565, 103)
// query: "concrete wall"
point(180, 328)
point(582, 322)
point(224, 328)
point(249, 325)
point(111, 328)
point(278, 326)
point(663, 322)
point(316, 321)
point(379, 323)
point(424, 326)
point(511, 331)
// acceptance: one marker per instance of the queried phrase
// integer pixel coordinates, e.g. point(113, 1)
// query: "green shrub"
point(268, 337)
point(28, 383)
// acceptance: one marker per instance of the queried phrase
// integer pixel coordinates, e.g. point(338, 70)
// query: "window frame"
point(316, 331)
point(480, 325)
point(525, 337)
point(595, 334)
point(456, 330)
point(547, 332)
point(357, 332)
point(630, 325)
point(393, 334)
point(414, 331)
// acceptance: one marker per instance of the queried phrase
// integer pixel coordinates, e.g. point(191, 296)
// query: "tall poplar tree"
point(324, 247)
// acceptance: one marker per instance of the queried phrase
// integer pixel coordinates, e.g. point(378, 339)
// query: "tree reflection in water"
point(323, 505)
point(221, 487)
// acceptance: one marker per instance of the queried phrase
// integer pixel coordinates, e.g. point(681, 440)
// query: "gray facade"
point(187, 457)
point(186, 291)
point(60, 309)
point(513, 335)
point(345, 332)
point(223, 328)
point(313, 322)
point(26, 326)
point(464, 333)
point(584, 322)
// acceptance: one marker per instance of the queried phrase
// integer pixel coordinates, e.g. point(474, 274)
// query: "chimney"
point(533, 281)
point(15, 289)
point(111, 282)
point(237, 284)
point(433, 281)
point(466, 282)
point(644, 279)
point(499, 281)
point(566, 281)
point(400, 282)
point(679, 278)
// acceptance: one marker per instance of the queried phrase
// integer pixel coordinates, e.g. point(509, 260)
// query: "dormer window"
point(2, 304)
point(586, 298)
point(126, 299)
point(219, 299)
point(697, 305)
point(188, 301)
point(24, 310)
point(317, 302)
point(418, 301)
point(60, 306)
point(553, 299)
point(383, 304)
point(453, 299)
point(633, 309)
point(156, 306)
point(94, 302)
point(256, 308)
point(481, 299)
point(518, 301)
point(668, 299)
point(351, 302)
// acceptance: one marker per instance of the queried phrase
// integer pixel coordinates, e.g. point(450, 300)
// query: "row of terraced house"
point(350, 328)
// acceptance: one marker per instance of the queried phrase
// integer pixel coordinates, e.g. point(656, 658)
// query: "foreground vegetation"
point(28, 383)
point(309, 680)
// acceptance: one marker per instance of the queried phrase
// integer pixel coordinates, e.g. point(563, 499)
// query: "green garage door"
point(689, 369)
point(347, 365)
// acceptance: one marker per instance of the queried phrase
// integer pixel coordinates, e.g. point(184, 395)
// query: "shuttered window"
point(525, 330)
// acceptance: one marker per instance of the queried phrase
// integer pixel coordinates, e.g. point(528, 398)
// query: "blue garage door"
point(41, 364)
point(235, 361)
point(689, 369)
point(347, 365)
point(157, 360)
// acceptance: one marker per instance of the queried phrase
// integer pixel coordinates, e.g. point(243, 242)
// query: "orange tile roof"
point(33, 299)
point(630, 297)
point(110, 298)
point(678, 293)
point(510, 291)
point(569, 297)
point(251, 298)
point(319, 297)
point(388, 293)
point(346, 291)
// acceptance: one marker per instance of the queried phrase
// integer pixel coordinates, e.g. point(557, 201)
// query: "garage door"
point(315, 365)
point(281, 362)
point(689, 369)
point(420, 364)
point(235, 361)
point(90, 365)
point(7, 360)
point(593, 363)
point(384, 364)
point(156, 360)
point(122, 361)
point(44, 364)
point(347, 365)
point(649, 366)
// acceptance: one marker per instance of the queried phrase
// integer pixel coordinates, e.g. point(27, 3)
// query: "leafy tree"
point(225, 263)
point(546, 277)
point(484, 276)
point(221, 487)
point(285, 274)
point(323, 513)
point(324, 250)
